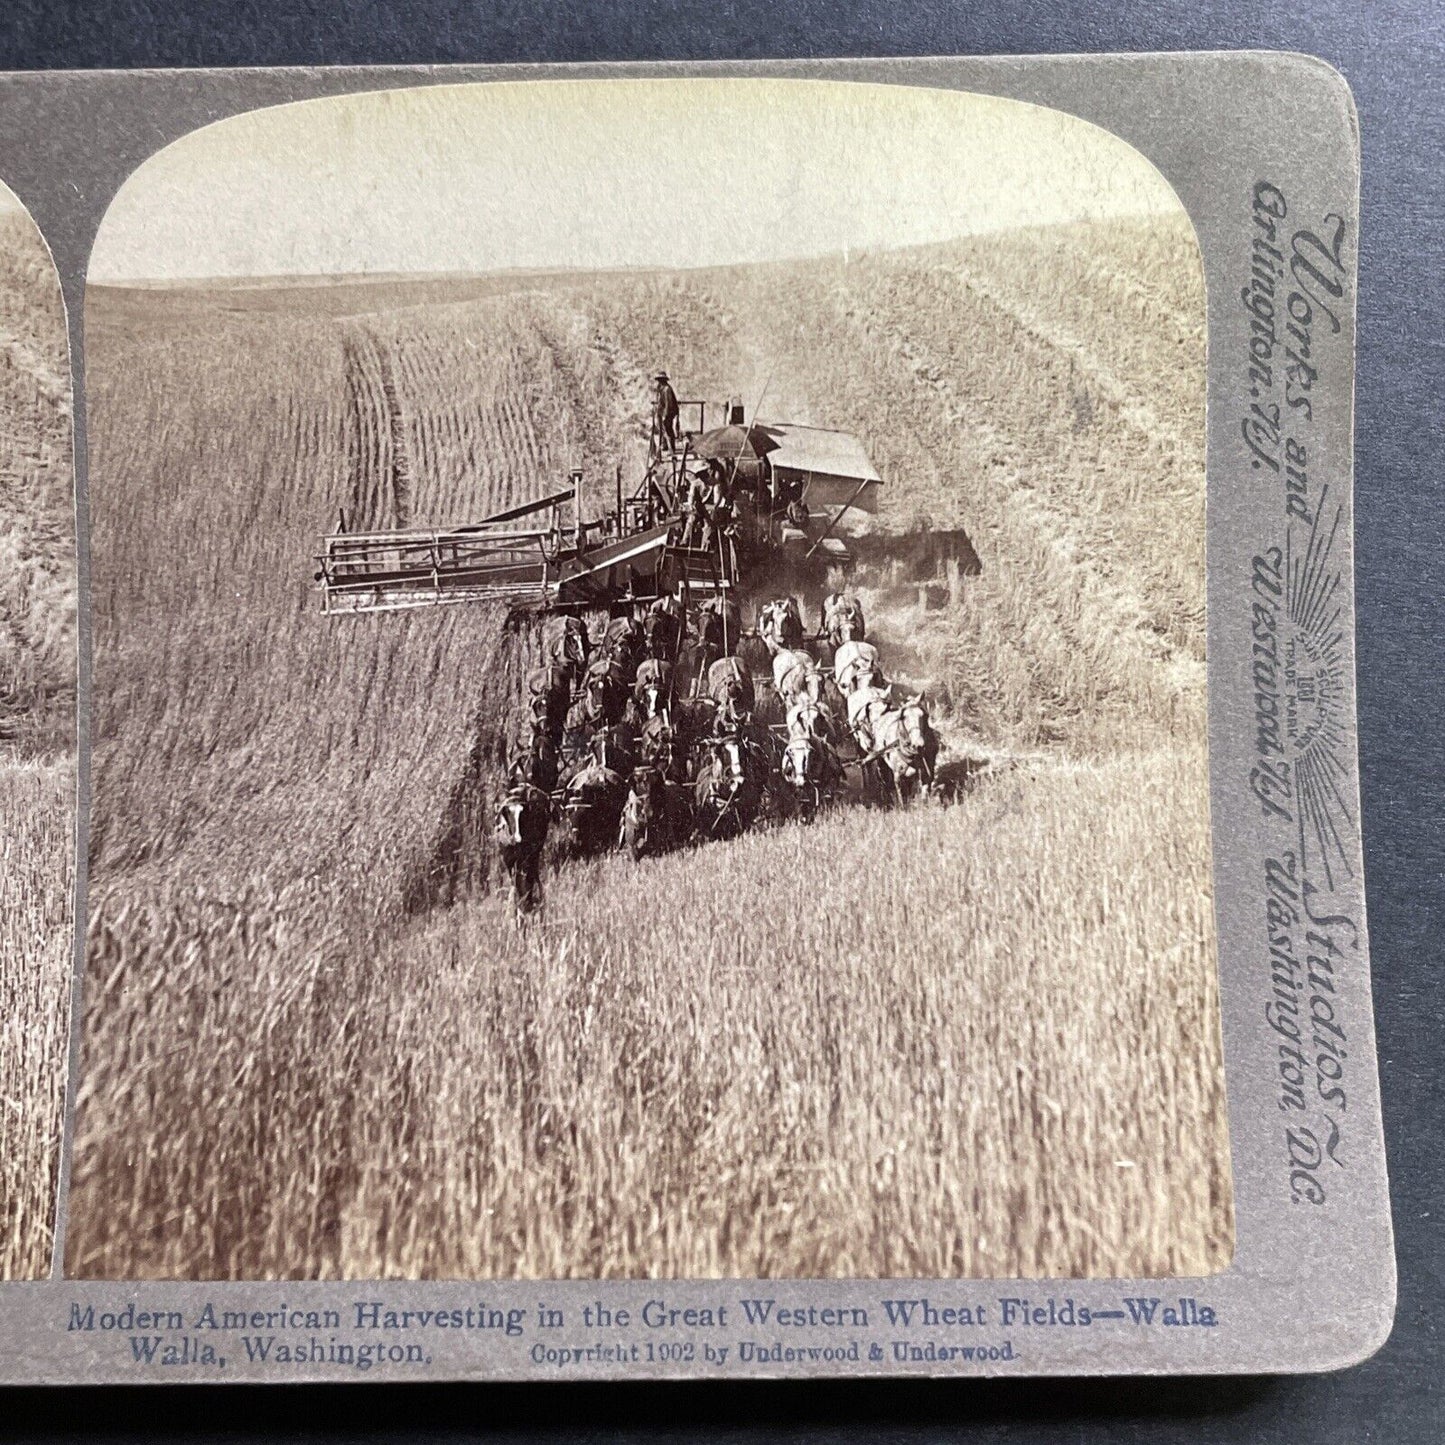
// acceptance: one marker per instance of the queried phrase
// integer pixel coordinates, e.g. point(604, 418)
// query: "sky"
point(595, 174)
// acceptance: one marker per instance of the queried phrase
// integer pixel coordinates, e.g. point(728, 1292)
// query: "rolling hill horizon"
point(323, 280)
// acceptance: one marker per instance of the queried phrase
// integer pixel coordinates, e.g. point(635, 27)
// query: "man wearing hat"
point(664, 411)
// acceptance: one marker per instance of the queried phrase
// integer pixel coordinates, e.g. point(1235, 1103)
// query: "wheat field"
point(37, 741)
point(980, 1039)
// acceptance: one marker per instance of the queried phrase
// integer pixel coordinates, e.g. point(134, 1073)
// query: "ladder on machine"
point(701, 574)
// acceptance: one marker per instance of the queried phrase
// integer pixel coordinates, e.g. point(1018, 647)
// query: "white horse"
point(807, 718)
point(867, 704)
point(908, 747)
point(796, 676)
point(895, 736)
point(855, 664)
point(842, 618)
point(810, 767)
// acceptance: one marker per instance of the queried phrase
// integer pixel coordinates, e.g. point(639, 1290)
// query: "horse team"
point(661, 733)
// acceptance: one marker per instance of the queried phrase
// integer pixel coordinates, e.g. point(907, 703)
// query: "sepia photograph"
point(649, 695)
point(37, 739)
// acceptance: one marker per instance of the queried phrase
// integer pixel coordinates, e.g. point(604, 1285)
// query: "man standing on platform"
point(664, 412)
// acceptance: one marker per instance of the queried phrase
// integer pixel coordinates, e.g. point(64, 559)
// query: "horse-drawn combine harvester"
point(679, 722)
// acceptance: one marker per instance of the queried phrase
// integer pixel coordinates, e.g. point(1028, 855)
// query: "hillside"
point(37, 741)
point(226, 441)
point(323, 785)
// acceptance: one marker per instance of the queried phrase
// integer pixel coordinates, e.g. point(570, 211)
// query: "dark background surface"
point(1393, 55)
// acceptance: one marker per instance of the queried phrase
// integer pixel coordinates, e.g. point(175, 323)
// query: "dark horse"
point(603, 697)
point(728, 793)
point(755, 654)
point(662, 627)
point(593, 800)
point(720, 624)
point(625, 643)
point(523, 815)
point(521, 834)
point(657, 815)
point(657, 744)
point(536, 763)
point(551, 698)
point(688, 721)
point(730, 688)
point(522, 818)
point(718, 630)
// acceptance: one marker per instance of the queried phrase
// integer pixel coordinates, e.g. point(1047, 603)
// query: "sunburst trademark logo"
point(1301, 739)
point(1310, 691)
point(1314, 694)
